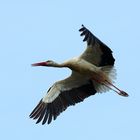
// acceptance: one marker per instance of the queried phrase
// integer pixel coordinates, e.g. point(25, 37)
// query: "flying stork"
point(92, 72)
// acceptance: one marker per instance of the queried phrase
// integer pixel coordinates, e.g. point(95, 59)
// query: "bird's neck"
point(57, 65)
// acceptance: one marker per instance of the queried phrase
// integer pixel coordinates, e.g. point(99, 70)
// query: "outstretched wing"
point(61, 95)
point(97, 52)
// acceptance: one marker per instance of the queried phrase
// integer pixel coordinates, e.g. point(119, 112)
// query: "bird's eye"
point(48, 61)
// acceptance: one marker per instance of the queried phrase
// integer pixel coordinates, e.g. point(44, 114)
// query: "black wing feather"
point(107, 57)
point(45, 112)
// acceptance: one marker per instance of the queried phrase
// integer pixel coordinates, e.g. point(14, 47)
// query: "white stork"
point(92, 72)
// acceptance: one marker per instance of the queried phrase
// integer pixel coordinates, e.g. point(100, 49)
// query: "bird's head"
point(45, 63)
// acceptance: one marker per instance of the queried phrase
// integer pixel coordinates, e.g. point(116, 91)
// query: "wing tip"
point(82, 28)
point(44, 113)
point(40, 113)
point(35, 109)
point(89, 37)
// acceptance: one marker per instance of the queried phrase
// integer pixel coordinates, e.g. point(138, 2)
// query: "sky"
point(39, 30)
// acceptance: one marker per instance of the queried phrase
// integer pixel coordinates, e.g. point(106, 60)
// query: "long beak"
point(40, 64)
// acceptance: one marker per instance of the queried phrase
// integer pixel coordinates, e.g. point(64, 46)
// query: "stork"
point(92, 72)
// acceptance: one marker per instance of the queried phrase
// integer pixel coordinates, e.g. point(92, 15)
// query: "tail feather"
point(110, 72)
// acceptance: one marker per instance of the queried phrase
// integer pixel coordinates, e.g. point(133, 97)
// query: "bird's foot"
point(122, 93)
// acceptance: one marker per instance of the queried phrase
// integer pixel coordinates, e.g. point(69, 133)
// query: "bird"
point(92, 72)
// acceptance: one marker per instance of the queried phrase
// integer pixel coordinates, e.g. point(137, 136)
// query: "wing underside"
point(73, 90)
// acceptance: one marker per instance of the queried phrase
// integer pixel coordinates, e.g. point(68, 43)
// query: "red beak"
point(40, 64)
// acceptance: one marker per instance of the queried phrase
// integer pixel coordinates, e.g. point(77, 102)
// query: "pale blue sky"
point(37, 30)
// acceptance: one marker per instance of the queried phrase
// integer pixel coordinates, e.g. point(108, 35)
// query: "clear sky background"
point(38, 30)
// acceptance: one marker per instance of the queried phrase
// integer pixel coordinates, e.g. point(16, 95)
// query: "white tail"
point(110, 72)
